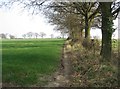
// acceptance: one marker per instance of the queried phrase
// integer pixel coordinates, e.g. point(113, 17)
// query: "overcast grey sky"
point(15, 22)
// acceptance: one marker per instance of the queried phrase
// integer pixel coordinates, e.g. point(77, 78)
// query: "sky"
point(97, 32)
point(15, 22)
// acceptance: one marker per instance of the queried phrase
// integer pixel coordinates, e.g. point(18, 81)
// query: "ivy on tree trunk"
point(107, 30)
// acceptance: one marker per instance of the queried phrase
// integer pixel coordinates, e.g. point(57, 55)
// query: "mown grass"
point(28, 62)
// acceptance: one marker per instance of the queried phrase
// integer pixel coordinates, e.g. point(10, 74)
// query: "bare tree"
point(33, 6)
point(12, 36)
point(36, 35)
point(85, 10)
point(24, 35)
point(3, 36)
point(30, 34)
point(65, 21)
point(42, 34)
point(52, 35)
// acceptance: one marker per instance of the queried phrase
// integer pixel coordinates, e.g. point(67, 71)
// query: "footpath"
point(62, 77)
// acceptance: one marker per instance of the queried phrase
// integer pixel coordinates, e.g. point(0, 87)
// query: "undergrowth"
point(89, 69)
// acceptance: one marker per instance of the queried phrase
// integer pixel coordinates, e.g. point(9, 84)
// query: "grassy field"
point(30, 62)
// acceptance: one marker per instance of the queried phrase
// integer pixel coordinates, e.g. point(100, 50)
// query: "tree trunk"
point(107, 24)
point(87, 27)
point(106, 45)
point(75, 34)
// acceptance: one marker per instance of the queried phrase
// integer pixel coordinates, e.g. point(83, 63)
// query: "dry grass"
point(89, 69)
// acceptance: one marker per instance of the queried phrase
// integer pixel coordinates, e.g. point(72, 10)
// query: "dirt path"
point(62, 77)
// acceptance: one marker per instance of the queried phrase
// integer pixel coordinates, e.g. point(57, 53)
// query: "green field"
point(30, 62)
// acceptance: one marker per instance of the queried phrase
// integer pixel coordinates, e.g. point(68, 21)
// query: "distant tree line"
point(29, 35)
point(5, 36)
point(34, 35)
point(41, 35)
